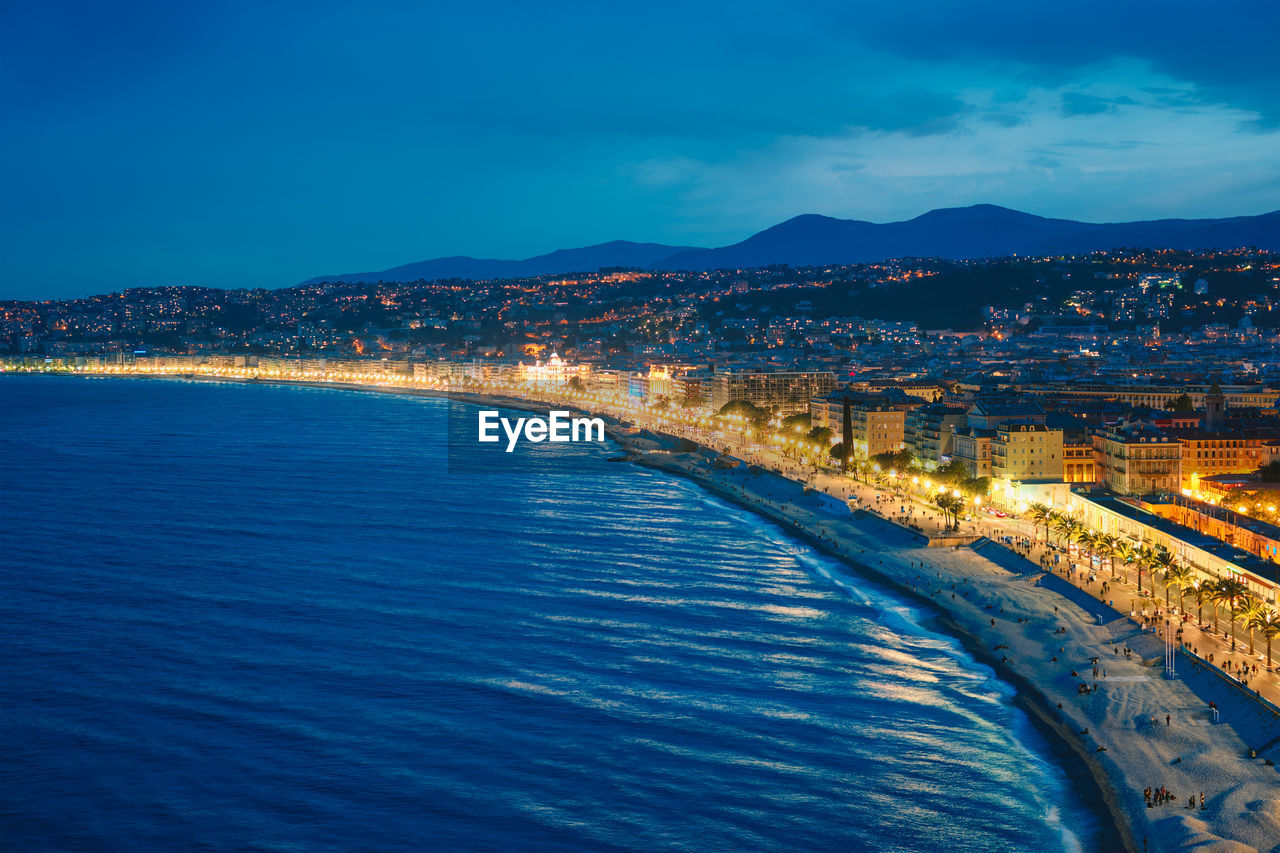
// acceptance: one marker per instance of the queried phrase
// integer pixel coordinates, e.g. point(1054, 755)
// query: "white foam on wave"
point(975, 681)
point(523, 686)
point(1070, 841)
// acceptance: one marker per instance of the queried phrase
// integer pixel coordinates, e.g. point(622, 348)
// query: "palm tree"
point(1086, 539)
point(1231, 594)
point(1041, 514)
point(1182, 577)
point(1145, 557)
point(1064, 526)
point(1128, 555)
point(950, 506)
point(1162, 562)
point(1073, 530)
point(1204, 592)
point(1268, 622)
point(1106, 549)
point(1056, 520)
point(1251, 610)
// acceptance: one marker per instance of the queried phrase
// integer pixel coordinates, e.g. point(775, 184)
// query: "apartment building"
point(1026, 453)
point(1137, 459)
point(1207, 454)
point(878, 421)
point(786, 391)
point(929, 432)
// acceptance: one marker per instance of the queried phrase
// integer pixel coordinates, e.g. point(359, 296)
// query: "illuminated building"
point(784, 391)
point(553, 373)
point(1026, 452)
point(1136, 459)
point(877, 422)
point(929, 432)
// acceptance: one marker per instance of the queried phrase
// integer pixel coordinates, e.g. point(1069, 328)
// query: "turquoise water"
point(270, 618)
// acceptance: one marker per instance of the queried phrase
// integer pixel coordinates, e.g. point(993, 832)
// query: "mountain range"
point(978, 231)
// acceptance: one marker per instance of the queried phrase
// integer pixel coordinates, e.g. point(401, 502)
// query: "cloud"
point(1002, 118)
point(1218, 51)
point(1137, 162)
point(275, 137)
point(1080, 104)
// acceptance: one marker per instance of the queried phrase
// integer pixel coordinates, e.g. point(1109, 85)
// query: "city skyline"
point(244, 148)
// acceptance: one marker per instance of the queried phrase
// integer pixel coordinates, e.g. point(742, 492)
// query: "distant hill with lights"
point(978, 231)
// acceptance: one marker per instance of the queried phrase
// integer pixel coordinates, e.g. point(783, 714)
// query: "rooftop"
point(1243, 560)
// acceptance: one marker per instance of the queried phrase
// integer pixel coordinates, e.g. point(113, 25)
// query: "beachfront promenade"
point(1146, 608)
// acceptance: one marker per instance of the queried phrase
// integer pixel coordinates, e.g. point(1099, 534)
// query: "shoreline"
point(1065, 745)
point(1243, 811)
point(1117, 771)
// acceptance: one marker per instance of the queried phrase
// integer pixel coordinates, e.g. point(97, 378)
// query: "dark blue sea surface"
point(267, 617)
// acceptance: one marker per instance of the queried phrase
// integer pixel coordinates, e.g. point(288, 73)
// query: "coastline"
point(1106, 731)
point(1028, 697)
point(1121, 751)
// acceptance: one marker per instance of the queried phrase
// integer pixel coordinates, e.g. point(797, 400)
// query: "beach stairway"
point(888, 531)
point(1147, 647)
point(1096, 611)
point(1270, 750)
point(1000, 555)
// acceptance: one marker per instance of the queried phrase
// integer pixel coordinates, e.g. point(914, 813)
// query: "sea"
point(271, 617)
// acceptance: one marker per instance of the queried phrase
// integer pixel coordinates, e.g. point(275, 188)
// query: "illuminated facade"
point(1078, 463)
point(929, 432)
point(555, 372)
point(1137, 459)
point(972, 446)
point(1210, 454)
point(1027, 452)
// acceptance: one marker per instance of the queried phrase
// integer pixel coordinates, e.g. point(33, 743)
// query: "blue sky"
point(259, 144)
